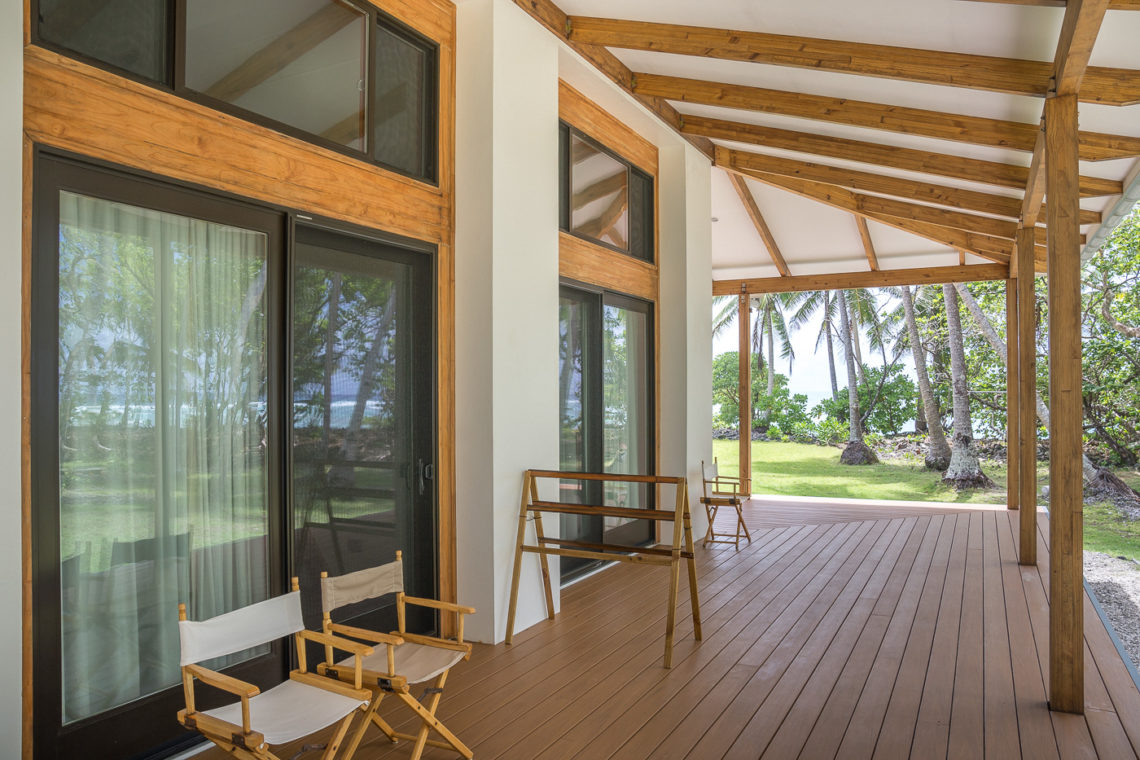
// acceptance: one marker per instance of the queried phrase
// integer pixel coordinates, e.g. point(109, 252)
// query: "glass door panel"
point(627, 419)
point(362, 417)
point(154, 308)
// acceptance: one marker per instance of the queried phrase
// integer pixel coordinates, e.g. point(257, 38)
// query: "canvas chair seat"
point(415, 662)
point(291, 710)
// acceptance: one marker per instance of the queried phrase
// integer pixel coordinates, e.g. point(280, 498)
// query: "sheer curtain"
point(163, 482)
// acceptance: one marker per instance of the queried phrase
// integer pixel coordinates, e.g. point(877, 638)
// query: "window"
point(334, 72)
point(209, 422)
point(604, 198)
point(606, 413)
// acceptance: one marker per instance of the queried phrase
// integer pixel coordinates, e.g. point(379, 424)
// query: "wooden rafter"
point(282, 51)
point(556, 22)
point(1110, 86)
point(1114, 5)
point(971, 200)
point(997, 133)
point(868, 246)
point(987, 246)
point(849, 280)
point(597, 190)
point(1010, 176)
point(757, 218)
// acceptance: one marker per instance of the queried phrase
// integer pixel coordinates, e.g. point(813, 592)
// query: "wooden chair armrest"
point(439, 605)
point(345, 645)
point(367, 635)
point(209, 725)
point(435, 641)
point(221, 681)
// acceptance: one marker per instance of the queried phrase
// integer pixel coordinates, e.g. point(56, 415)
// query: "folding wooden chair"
point(303, 704)
point(407, 658)
point(720, 491)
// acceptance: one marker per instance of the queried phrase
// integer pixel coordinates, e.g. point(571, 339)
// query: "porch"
point(844, 629)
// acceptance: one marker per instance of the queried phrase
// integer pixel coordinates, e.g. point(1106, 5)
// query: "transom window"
point(337, 73)
point(604, 198)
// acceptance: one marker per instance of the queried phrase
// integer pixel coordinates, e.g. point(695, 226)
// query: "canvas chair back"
point(241, 629)
point(363, 584)
point(711, 473)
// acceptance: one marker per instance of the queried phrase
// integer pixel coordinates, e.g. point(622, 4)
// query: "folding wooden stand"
point(544, 547)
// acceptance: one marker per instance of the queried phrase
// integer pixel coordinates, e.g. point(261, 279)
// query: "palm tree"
point(856, 451)
point(964, 471)
point(807, 304)
point(937, 448)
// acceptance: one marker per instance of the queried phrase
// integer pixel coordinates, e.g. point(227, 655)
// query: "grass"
point(794, 469)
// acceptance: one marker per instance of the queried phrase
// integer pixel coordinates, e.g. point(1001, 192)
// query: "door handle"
point(425, 471)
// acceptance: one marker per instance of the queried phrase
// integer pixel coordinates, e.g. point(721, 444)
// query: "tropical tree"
point(807, 304)
point(857, 451)
point(937, 447)
point(965, 470)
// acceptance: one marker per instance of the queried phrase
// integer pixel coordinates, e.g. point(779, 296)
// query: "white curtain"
point(163, 485)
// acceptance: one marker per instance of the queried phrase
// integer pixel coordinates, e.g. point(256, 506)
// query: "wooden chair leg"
point(382, 724)
point(365, 721)
point(430, 721)
point(710, 512)
point(338, 737)
point(740, 517)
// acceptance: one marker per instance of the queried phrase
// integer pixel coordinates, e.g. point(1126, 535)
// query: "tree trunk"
point(1091, 474)
point(937, 448)
point(965, 471)
point(853, 329)
point(830, 347)
point(856, 451)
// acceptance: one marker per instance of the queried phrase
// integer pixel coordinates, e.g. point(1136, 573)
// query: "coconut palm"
point(856, 451)
point(965, 470)
point(937, 448)
point(806, 305)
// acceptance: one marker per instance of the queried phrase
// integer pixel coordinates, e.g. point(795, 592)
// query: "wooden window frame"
point(374, 14)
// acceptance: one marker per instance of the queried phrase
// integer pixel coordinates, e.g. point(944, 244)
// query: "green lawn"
point(794, 469)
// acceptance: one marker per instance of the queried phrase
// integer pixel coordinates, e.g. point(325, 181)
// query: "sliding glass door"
point(606, 412)
point(169, 464)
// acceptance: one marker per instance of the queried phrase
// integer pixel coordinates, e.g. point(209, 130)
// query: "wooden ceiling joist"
point(987, 246)
point(909, 159)
point(1109, 86)
point(851, 280)
point(868, 245)
point(977, 130)
point(555, 20)
point(1114, 5)
point(971, 200)
point(758, 222)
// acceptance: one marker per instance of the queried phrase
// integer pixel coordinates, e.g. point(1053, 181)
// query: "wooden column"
point(1012, 407)
point(744, 320)
point(1027, 407)
point(1066, 621)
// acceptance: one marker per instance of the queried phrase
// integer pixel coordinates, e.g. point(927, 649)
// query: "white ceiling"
point(815, 238)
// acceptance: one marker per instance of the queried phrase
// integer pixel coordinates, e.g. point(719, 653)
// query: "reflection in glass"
point(302, 62)
point(163, 475)
point(575, 412)
point(352, 413)
point(130, 34)
point(625, 395)
point(404, 137)
point(599, 194)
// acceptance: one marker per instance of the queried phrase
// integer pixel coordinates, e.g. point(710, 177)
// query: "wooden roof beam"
point(757, 218)
point(850, 280)
point(868, 246)
point(977, 130)
point(557, 23)
point(1114, 5)
point(971, 200)
point(1109, 86)
point(1010, 176)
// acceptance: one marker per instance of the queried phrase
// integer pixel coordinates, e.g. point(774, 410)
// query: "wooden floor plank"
point(844, 629)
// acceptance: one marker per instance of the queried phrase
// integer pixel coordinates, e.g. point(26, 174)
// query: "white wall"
point(506, 272)
point(11, 151)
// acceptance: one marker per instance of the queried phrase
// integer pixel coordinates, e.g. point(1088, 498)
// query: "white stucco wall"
point(11, 151)
point(506, 252)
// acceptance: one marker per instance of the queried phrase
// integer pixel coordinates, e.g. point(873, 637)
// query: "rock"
point(857, 453)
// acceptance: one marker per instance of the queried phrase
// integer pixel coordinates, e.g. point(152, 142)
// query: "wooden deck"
point(851, 630)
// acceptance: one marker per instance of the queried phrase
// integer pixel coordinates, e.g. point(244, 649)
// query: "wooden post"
point(1027, 379)
point(1012, 407)
point(744, 389)
point(1066, 485)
